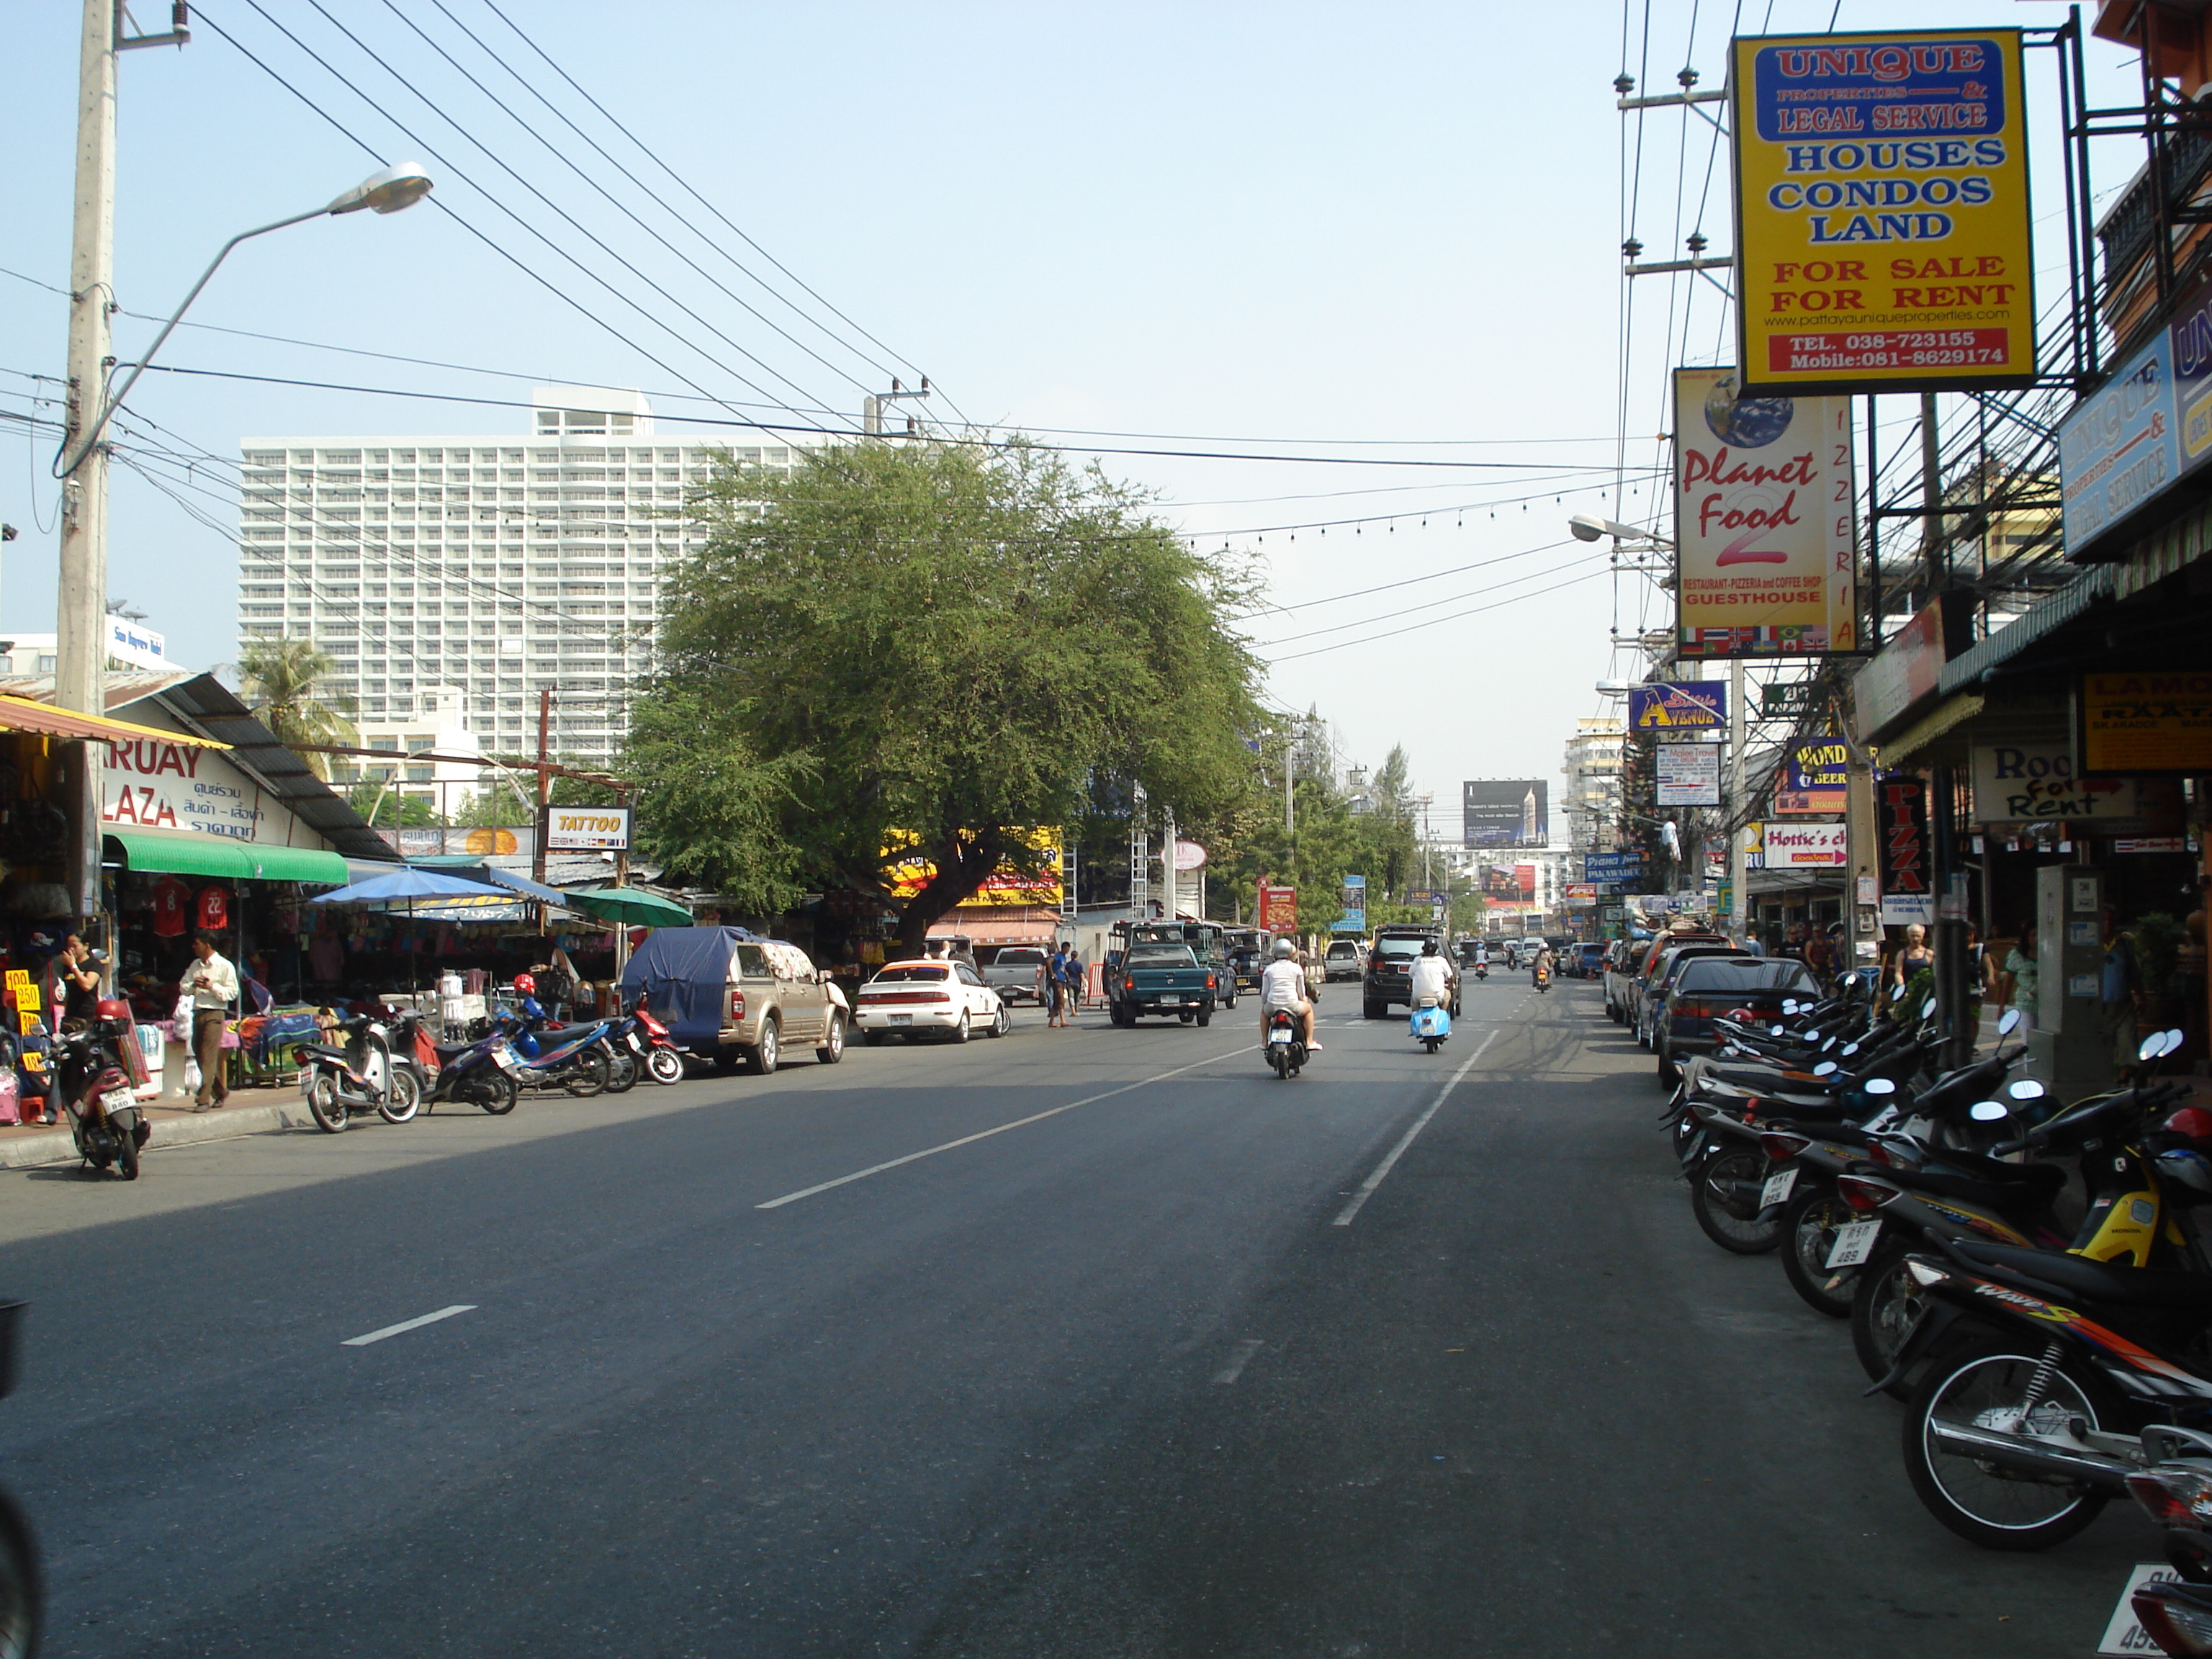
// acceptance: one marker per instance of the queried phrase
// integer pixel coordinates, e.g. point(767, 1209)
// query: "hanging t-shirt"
point(173, 908)
point(214, 909)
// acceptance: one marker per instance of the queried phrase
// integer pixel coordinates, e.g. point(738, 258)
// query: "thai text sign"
point(1613, 866)
point(587, 829)
point(1763, 521)
point(1689, 775)
point(2146, 722)
point(2025, 782)
point(153, 785)
point(1673, 706)
point(1881, 211)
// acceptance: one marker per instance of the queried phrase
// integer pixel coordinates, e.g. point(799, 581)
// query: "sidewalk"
point(249, 1112)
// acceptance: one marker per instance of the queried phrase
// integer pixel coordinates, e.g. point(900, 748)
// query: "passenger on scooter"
point(1283, 985)
point(1540, 969)
point(1431, 978)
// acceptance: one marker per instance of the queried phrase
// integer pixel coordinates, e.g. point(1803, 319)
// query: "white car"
point(947, 997)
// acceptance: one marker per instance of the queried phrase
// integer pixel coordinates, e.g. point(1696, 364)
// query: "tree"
point(940, 641)
point(387, 809)
point(1392, 844)
point(279, 681)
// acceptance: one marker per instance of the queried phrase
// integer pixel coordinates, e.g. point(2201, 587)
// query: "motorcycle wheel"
point(1985, 1383)
point(403, 1099)
point(1432, 1043)
point(588, 1076)
point(498, 1094)
point(126, 1164)
point(22, 1595)
point(1809, 1221)
point(1886, 1305)
point(622, 1072)
point(326, 1107)
point(1717, 1199)
point(666, 1065)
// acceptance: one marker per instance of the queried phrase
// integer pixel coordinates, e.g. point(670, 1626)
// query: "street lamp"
point(389, 191)
point(1588, 527)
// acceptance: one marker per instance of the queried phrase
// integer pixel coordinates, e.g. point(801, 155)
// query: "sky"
point(1360, 238)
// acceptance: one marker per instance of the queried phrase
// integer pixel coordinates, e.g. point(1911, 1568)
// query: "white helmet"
point(1285, 949)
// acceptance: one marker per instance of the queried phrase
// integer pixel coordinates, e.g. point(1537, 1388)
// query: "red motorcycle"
point(649, 1039)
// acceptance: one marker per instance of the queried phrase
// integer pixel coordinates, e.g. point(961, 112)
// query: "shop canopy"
point(189, 855)
point(471, 869)
point(21, 715)
point(632, 906)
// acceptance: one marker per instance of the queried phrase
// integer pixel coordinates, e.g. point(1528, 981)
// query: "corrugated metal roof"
point(2044, 616)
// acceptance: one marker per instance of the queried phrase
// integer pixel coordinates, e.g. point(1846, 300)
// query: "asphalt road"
point(1115, 1373)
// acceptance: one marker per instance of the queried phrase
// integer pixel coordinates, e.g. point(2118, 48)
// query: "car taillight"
point(2175, 1494)
point(1863, 1193)
point(736, 1007)
point(1209, 982)
point(1781, 1147)
point(1128, 984)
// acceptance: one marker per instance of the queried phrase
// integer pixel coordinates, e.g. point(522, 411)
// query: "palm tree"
point(278, 680)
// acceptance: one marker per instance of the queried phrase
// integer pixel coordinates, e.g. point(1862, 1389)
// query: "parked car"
point(1670, 966)
point(1015, 972)
point(1342, 959)
point(1708, 988)
point(729, 997)
point(1642, 962)
point(1621, 958)
point(947, 1000)
point(1588, 959)
point(1389, 976)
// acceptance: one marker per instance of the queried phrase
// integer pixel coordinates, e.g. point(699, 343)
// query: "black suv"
point(1389, 976)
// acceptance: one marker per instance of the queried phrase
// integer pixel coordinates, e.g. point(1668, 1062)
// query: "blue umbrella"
point(408, 884)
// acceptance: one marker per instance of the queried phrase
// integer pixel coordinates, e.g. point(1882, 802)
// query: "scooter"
point(1482, 970)
point(22, 1595)
point(1285, 1046)
point(664, 1060)
point(479, 1073)
point(338, 1080)
point(1543, 979)
point(1431, 1023)
point(570, 1057)
point(106, 1122)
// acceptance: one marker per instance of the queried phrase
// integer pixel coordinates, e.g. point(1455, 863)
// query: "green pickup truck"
point(1161, 982)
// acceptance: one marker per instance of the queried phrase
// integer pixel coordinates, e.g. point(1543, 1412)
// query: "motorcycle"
point(108, 1125)
point(1285, 1046)
point(1543, 979)
point(1482, 970)
point(1431, 1023)
point(570, 1057)
point(339, 1080)
point(22, 1595)
point(479, 1073)
point(664, 1060)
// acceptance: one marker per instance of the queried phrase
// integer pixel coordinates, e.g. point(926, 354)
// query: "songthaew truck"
point(1162, 969)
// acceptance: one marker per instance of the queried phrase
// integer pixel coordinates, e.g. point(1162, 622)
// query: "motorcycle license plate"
point(1282, 1038)
point(504, 1059)
point(1854, 1244)
point(1778, 1188)
point(118, 1100)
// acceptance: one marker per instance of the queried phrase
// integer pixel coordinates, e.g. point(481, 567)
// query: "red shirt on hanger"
point(214, 909)
point(173, 908)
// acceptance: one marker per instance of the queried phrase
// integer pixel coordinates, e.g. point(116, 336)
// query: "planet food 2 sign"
point(1881, 211)
point(1764, 520)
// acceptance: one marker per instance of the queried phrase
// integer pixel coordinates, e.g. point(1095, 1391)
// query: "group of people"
point(1063, 984)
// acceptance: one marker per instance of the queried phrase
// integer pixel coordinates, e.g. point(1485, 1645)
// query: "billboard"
point(1524, 880)
point(1689, 775)
point(1506, 812)
point(1881, 211)
point(1278, 909)
point(1764, 522)
point(1678, 705)
point(587, 829)
point(1354, 905)
point(1815, 779)
point(907, 872)
point(1498, 882)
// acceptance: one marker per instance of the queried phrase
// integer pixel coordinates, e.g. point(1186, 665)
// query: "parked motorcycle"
point(480, 1074)
point(107, 1124)
point(1285, 1046)
point(358, 1075)
point(23, 1595)
point(664, 1060)
point(573, 1058)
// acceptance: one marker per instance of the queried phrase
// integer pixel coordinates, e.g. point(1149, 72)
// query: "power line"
point(1346, 645)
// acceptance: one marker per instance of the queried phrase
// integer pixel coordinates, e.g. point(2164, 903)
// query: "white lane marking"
point(1238, 1358)
point(985, 1134)
point(1367, 1187)
point(408, 1325)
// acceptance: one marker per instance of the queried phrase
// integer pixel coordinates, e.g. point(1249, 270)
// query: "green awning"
point(231, 860)
point(628, 905)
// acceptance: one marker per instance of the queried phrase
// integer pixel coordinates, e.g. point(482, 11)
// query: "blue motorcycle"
point(570, 1057)
point(480, 1074)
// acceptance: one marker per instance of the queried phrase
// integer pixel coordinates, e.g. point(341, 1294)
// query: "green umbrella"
point(631, 906)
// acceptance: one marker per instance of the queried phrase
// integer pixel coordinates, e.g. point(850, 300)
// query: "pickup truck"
point(1161, 982)
point(1016, 972)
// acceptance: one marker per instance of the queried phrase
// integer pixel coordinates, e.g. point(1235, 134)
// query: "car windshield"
point(1161, 955)
point(910, 971)
point(1776, 974)
point(1340, 949)
point(1399, 947)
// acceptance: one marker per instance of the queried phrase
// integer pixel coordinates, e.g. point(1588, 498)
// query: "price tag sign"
point(28, 999)
point(18, 977)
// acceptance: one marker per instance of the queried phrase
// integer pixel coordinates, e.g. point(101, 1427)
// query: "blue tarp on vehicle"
point(683, 974)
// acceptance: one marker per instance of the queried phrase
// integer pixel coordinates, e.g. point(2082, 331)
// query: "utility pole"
point(873, 405)
point(1168, 874)
point(544, 786)
point(1737, 802)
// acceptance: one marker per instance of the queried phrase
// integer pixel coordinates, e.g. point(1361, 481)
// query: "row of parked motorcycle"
point(2028, 1276)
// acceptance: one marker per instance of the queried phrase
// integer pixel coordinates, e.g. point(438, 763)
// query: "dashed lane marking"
point(408, 1325)
point(1390, 1162)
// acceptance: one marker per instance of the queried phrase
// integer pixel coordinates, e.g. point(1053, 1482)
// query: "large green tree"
point(940, 641)
point(281, 681)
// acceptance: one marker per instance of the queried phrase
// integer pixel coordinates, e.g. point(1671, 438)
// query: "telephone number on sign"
point(1930, 358)
point(1891, 348)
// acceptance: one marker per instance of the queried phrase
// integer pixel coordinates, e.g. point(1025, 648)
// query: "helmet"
point(1285, 949)
point(1428, 947)
point(525, 985)
point(2187, 1166)
point(109, 1008)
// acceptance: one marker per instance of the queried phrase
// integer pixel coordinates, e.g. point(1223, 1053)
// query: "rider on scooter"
point(1283, 985)
point(1540, 969)
point(1431, 978)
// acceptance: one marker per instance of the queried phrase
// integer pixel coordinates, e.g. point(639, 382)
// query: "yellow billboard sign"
point(907, 873)
point(1881, 211)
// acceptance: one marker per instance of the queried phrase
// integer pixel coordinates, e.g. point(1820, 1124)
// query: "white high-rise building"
point(496, 567)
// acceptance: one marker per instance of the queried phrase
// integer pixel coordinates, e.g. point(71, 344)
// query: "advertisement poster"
point(1800, 845)
point(2146, 722)
point(1881, 211)
point(1278, 909)
point(1900, 805)
point(1814, 781)
point(1498, 882)
point(1524, 880)
point(1678, 705)
point(908, 874)
point(1764, 522)
point(1689, 775)
point(1580, 896)
point(1506, 812)
point(587, 829)
point(1354, 905)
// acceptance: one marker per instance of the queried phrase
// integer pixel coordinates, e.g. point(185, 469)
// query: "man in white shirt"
point(213, 983)
point(1283, 985)
point(1430, 977)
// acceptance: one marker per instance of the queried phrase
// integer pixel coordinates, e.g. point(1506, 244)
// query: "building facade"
point(497, 569)
point(1593, 774)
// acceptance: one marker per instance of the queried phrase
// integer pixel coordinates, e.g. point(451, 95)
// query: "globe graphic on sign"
point(1746, 423)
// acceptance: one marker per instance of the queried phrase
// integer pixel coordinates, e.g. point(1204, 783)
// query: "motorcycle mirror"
point(2009, 1022)
point(1989, 1111)
point(1826, 1068)
point(1850, 1049)
point(2025, 1088)
point(2173, 1040)
point(1774, 1030)
point(1827, 1045)
point(2151, 1047)
point(1789, 1004)
point(1880, 1085)
point(1928, 1009)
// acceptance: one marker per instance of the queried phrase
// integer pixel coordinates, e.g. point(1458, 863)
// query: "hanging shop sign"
point(1613, 866)
point(1881, 212)
point(1787, 698)
point(587, 829)
point(1814, 779)
point(148, 784)
point(2147, 722)
point(1689, 775)
point(1763, 521)
point(415, 842)
point(1754, 846)
point(1910, 666)
point(1805, 846)
point(1580, 896)
point(2029, 782)
point(2118, 448)
point(1675, 706)
point(1901, 826)
point(1354, 905)
point(1278, 909)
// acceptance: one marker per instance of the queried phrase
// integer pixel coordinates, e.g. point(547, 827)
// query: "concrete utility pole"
point(545, 786)
point(1737, 801)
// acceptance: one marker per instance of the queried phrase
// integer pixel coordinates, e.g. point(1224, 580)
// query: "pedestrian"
point(1075, 982)
point(76, 986)
point(2117, 987)
point(213, 985)
point(1055, 987)
point(2019, 982)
